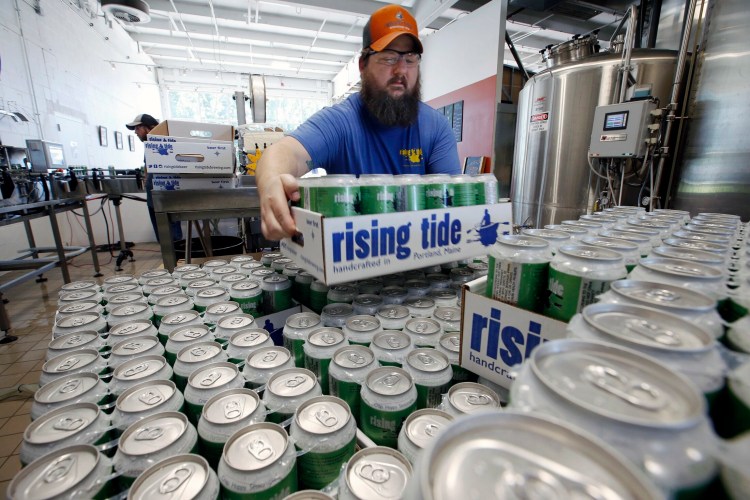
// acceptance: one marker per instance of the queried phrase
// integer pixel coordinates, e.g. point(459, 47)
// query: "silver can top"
point(213, 376)
point(427, 360)
point(249, 337)
point(123, 278)
point(130, 327)
point(153, 433)
point(186, 268)
point(179, 318)
point(199, 352)
point(663, 295)
point(55, 475)
point(338, 310)
point(78, 321)
point(79, 296)
point(124, 298)
point(705, 246)
point(378, 473)
point(523, 241)
point(181, 476)
point(236, 322)
point(146, 396)
point(223, 270)
point(291, 383)
point(422, 326)
point(303, 320)
point(393, 311)
point(389, 381)
point(393, 291)
point(424, 425)
point(392, 340)
point(587, 252)
point(129, 310)
point(214, 263)
point(71, 361)
point(75, 286)
point(227, 307)
point(447, 313)
point(134, 346)
point(211, 293)
point(353, 357)
point(326, 337)
point(451, 342)
point(244, 285)
point(61, 423)
point(268, 358)
point(363, 323)
point(73, 340)
point(420, 303)
point(644, 327)
point(66, 388)
point(367, 300)
point(190, 333)
point(166, 290)
point(80, 307)
point(470, 397)
point(139, 368)
point(231, 406)
point(618, 384)
point(323, 415)
point(526, 453)
point(256, 447)
point(681, 268)
point(118, 289)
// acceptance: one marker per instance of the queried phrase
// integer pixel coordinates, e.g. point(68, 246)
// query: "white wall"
point(72, 90)
point(464, 52)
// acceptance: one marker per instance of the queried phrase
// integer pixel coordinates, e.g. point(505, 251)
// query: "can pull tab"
point(636, 392)
point(662, 295)
point(176, 479)
point(653, 332)
point(259, 449)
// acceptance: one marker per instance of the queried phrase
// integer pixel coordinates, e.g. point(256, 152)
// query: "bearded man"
point(384, 129)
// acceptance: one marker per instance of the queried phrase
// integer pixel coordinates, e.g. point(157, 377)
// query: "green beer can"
point(182, 476)
point(208, 381)
point(224, 414)
point(325, 431)
point(259, 463)
point(318, 351)
point(347, 372)
point(378, 193)
point(337, 196)
point(411, 193)
point(277, 293)
point(389, 396)
point(287, 390)
point(438, 191)
point(296, 330)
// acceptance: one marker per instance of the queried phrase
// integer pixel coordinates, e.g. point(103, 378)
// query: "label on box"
point(341, 249)
point(179, 183)
point(495, 337)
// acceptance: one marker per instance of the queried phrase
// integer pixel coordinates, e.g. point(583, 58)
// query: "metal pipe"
point(619, 26)
point(628, 50)
point(515, 56)
point(677, 83)
point(29, 76)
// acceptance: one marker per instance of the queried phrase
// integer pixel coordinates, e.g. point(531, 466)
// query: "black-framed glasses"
point(389, 57)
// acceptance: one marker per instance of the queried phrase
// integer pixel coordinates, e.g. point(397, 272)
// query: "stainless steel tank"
point(550, 180)
point(715, 174)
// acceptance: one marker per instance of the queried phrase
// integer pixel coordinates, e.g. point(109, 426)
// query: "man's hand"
point(276, 217)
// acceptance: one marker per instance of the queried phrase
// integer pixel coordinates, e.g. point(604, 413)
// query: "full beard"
point(391, 111)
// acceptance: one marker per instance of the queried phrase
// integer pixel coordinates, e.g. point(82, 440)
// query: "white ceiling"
point(304, 44)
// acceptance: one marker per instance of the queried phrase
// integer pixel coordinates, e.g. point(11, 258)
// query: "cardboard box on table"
point(181, 147)
point(497, 337)
point(341, 249)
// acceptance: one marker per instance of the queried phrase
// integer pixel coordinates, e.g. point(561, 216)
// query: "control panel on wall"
point(620, 130)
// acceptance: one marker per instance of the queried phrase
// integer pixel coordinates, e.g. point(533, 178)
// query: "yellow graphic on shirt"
point(413, 156)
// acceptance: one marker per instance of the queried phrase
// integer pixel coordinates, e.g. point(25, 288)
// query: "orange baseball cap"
point(388, 23)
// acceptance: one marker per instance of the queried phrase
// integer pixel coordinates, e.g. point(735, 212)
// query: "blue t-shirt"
point(347, 139)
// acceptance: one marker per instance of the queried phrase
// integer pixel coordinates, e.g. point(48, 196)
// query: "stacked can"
point(347, 372)
point(287, 390)
point(264, 363)
point(518, 271)
point(319, 349)
point(411, 193)
point(388, 398)
point(336, 195)
point(378, 194)
point(296, 330)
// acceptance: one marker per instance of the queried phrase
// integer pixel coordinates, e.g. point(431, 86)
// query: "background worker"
point(385, 128)
point(142, 125)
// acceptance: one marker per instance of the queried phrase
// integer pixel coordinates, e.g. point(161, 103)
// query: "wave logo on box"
point(508, 342)
point(433, 233)
point(161, 148)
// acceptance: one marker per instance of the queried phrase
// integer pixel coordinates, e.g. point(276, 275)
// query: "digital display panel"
point(616, 121)
point(56, 156)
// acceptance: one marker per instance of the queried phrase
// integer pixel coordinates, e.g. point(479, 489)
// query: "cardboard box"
point(177, 182)
point(496, 337)
point(177, 147)
point(340, 249)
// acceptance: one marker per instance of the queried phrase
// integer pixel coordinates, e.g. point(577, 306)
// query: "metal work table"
point(30, 258)
point(197, 205)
